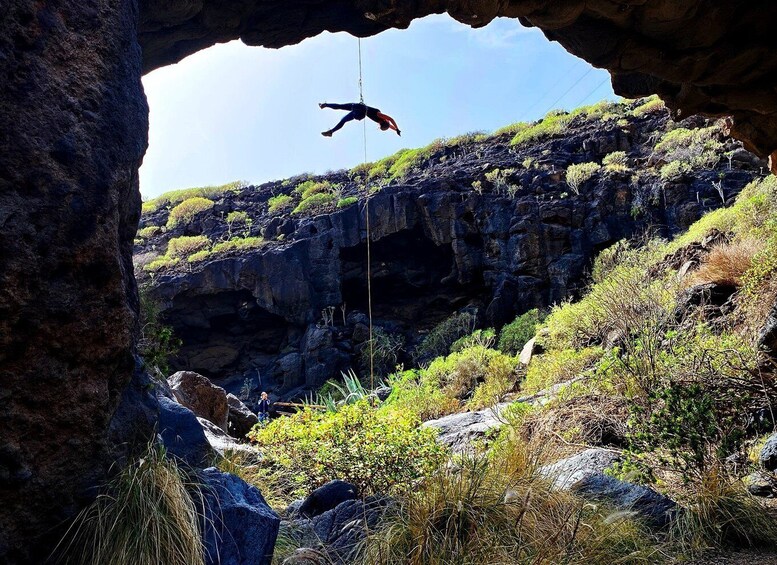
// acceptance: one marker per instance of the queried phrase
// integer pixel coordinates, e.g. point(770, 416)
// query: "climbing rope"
point(367, 223)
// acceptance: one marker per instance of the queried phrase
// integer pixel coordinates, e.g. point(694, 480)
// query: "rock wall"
point(292, 314)
point(73, 121)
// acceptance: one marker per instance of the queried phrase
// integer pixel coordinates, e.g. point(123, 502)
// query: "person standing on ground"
point(264, 408)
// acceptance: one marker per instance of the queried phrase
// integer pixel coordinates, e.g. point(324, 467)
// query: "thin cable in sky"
point(567, 91)
point(597, 87)
point(525, 113)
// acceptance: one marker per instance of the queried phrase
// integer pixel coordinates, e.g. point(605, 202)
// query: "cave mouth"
point(415, 282)
point(225, 335)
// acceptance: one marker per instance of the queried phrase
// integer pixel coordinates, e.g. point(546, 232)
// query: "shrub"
point(157, 343)
point(149, 231)
point(185, 245)
point(674, 170)
point(513, 129)
point(161, 263)
point(238, 244)
point(380, 451)
point(386, 348)
point(417, 392)
point(559, 366)
point(237, 217)
point(145, 514)
point(649, 105)
point(695, 148)
point(514, 335)
point(577, 175)
point(347, 201)
point(311, 187)
point(616, 161)
point(461, 375)
point(554, 123)
point(187, 210)
point(483, 338)
point(314, 203)
point(175, 196)
point(279, 203)
point(439, 340)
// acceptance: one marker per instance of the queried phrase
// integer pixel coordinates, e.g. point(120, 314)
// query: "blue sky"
point(236, 112)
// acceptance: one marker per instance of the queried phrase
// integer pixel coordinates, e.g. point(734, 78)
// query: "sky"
point(233, 112)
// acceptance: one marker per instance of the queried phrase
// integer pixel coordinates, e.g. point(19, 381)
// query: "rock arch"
point(73, 130)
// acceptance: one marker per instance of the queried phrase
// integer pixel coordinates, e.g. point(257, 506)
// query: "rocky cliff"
point(478, 223)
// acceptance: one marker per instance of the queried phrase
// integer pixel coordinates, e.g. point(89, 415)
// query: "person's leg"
point(348, 107)
point(347, 118)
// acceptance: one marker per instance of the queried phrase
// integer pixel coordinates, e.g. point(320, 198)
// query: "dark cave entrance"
point(225, 334)
point(415, 283)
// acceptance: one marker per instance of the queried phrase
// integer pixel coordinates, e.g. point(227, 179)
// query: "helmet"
point(384, 126)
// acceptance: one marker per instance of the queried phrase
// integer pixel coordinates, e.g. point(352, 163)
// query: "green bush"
point(311, 187)
point(187, 210)
point(417, 392)
point(513, 129)
point(347, 201)
point(477, 374)
point(514, 335)
point(577, 175)
point(238, 244)
point(156, 343)
point(161, 263)
point(439, 340)
point(379, 450)
point(315, 203)
point(386, 348)
point(175, 196)
point(692, 148)
point(616, 161)
point(554, 123)
point(648, 105)
point(559, 366)
point(484, 337)
point(279, 203)
point(149, 231)
point(186, 245)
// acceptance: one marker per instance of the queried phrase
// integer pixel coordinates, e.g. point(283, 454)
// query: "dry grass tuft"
point(726, 263)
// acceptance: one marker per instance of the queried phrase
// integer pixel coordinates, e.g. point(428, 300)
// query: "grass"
point(497, 510)
point(148, 513)
point(727, 263)
point(175, 196)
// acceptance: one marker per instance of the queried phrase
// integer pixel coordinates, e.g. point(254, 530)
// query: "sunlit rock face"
point(701, 56)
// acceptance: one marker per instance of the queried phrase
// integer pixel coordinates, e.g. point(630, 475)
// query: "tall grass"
point(146, 514)
point(497, 510)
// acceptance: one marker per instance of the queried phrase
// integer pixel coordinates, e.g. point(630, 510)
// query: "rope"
point(367, 223)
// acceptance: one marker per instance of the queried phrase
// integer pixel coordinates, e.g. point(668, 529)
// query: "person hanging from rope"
point(359, 111)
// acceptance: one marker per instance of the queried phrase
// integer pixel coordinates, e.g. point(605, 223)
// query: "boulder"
point(201, 396)
point(333, 536)
point(182, 435)
point(241, 419)
point(460, 431)
point(568, 472)
point(240, 528)
point(224, 444)
point(527, 351)
point(761, 484)
point(655, 509)
point(326, 498)
point(768, 455)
